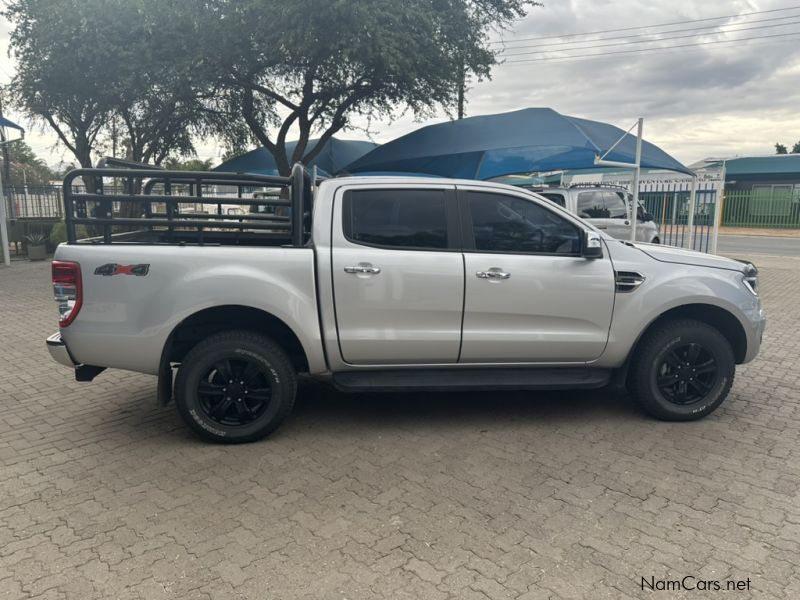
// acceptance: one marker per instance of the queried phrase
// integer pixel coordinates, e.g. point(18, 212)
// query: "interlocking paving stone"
point(509, 495)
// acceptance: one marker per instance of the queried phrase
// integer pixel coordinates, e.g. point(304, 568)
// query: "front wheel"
point(235, 387)
point(683, 370)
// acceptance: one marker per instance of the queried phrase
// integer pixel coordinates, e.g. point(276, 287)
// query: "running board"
point(442, 380)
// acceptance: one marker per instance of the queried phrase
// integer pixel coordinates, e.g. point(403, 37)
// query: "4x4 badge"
point(115, 269)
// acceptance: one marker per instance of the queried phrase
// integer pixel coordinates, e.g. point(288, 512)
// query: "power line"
point(636, 35)
point(650, 50)
point(554, 37)
point(677, 37)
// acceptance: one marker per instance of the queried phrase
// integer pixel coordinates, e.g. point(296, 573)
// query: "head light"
point(750, 278)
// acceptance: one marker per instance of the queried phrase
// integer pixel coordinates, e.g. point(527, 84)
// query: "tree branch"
point(338, 121)
point(249, 84)
point(60, 134)
point(248, 112)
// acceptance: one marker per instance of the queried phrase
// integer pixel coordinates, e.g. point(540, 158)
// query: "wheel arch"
point(720, 319)
point(216, 319)
point(229, 317)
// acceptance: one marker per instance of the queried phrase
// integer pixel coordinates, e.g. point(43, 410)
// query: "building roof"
point(777, 164)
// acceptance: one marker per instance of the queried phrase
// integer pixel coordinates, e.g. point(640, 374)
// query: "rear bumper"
point(58, 350)
point(60, 353)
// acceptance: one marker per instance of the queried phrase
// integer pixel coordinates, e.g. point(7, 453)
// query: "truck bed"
point(138, 308)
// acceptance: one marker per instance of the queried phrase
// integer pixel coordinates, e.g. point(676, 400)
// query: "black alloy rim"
point(687, 374)
point(234, 392)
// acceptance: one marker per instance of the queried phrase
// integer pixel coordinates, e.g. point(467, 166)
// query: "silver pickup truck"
point(383, 284)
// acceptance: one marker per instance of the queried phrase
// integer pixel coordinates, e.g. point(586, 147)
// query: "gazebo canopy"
point(334, 156)
point(522, 141)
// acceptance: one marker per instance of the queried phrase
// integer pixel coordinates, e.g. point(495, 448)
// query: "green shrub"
point(58, 234)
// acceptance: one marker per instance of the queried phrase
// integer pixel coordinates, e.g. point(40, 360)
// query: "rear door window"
point(614, 205)
point(403, 219)
point(591, 205)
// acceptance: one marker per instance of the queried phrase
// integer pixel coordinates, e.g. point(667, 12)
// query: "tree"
point(796, 148)
point(193, 164)
point(159, 100)
point(85, 63)
point(310, 66)
point(59, 49)
point(26, 167)
point(253, 70)
point(780, 149)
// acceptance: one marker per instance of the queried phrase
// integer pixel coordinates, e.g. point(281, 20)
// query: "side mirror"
point(643, 215)
point(592, 244)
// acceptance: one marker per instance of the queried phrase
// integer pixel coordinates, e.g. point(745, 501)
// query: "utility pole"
point(462, 84)
point(6, 156)
point(3, 218)
point(636, 176)
point(114, 136)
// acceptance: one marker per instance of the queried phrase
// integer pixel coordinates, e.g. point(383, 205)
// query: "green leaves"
point(85, 63)
point(314, 64)
point(261, 71)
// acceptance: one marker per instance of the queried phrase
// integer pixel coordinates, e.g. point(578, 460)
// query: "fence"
point(42, 202)
point(46, 202)
point(770, 208)
point(669, 206)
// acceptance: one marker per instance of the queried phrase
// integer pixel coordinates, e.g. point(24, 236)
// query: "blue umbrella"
point(334, 156)
point(523, 141)
point(6, 123)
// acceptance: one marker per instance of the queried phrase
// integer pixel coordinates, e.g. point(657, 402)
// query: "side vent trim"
point(628, 281)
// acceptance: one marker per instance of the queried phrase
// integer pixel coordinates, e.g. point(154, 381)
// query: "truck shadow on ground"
point(318, 403)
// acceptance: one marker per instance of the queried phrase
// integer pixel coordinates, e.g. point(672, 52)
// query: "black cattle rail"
point(146, 186)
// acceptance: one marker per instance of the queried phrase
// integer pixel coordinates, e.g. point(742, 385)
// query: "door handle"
point(365, 268)
point(492, 274)
point(602, 226)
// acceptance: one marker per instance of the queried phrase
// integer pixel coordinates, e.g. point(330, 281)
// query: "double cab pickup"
point(382, 284)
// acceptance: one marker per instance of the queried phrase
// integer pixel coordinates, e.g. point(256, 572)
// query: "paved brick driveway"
point(104, 495)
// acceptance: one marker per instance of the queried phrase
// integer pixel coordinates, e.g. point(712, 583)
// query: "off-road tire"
point(264, 357)
point(653, 363)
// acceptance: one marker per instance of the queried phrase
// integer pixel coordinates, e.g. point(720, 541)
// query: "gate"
point(669, 206)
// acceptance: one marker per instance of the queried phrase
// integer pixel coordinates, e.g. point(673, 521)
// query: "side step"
point(441, 380)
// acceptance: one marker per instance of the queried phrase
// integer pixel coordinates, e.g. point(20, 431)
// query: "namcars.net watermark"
point(691, 583)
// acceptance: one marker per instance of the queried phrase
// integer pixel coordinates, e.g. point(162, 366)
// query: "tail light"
point(67, 290)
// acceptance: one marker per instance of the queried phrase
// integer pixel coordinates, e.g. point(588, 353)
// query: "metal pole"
point(3, 226)
point(690, 216)
point(636, 172)
point(718, 205)
point(461, 90)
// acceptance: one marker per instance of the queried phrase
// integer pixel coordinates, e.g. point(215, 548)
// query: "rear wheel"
point(235, 387)
point(683, 370)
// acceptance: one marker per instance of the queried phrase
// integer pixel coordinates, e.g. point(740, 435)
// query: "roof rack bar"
point(301, 196)
point(97, 206)
point(178, 222)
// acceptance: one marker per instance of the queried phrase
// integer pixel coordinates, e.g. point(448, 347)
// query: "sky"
point(719, 95)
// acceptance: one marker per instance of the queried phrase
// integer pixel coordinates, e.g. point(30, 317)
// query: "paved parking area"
point(579, 495)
